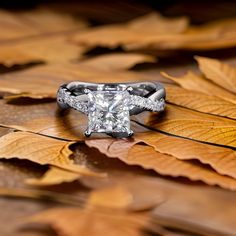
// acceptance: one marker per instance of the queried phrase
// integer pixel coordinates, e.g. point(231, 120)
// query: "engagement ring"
point(109, 106)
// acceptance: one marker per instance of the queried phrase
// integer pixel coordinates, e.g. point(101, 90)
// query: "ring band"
point(109, 106)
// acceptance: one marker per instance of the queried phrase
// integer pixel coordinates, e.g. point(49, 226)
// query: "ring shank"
point(151, 90)
point(140, 89)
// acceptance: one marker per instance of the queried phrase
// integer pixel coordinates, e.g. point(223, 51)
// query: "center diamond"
point(108, 111)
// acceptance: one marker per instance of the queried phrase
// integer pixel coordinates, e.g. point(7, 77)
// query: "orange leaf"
point(46, 119)
point(153, 32)
point(34, 23)
point(218, 72)
point(117, 61)
point(147, 157)
point(194, 82)
point(220, 159)
point(41, 150)
point(195, 125)
point(54, 49)
point(151, 26)
point(201, 102)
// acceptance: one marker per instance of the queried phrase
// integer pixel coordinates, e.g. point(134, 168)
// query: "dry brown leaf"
point(220, 73)
point(41, 150)
point(43, 81)
point(194, 82)
point(54, 49)
point(135, 154)
point(92, 222)
point(195, 125)
point(212, 35)
point(37, 22)
point(117, 61)
point(117, 197)
point(164, 164)
point(201, 102)
point(112, 147)
point(223, 160)
point(209, 36)
point(54, 176)
point(152, 25)
point(45, 120)
point(69, 127)
point(153, 32)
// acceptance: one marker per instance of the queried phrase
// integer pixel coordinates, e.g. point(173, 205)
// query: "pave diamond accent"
point(147, 103)
point(108, 111)
point(65, 96)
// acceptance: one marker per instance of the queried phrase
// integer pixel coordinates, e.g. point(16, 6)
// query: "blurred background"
point(198, 11)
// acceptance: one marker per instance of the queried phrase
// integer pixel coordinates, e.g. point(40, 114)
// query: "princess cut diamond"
point(108, 112)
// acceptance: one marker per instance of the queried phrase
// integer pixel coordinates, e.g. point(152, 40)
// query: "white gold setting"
point(109, 106)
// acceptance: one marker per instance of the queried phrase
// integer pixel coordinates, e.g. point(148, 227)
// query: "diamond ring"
point(109, 106)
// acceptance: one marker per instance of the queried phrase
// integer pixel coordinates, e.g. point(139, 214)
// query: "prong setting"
point(86, 90)
point(87, 133)
point(131, 133)
point(129, 89)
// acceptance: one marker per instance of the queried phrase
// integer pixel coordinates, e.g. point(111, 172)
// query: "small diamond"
point(108, 111)
point(149, 104)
